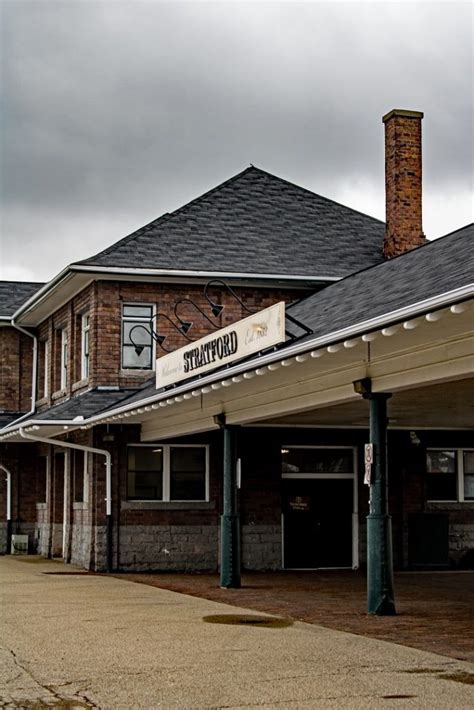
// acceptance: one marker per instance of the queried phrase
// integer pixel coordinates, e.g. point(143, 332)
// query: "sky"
point(115, 112)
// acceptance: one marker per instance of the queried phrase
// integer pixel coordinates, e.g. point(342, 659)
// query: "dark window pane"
point(317, 461)
point(145, 485)
point(441, 470)
point(188, 473)
point(145, 473)
point(144, 458)
point(78, 475)
point(469, 487)
point(468, 461)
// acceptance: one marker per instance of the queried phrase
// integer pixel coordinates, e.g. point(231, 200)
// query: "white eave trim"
point(436, 302)
point(190, 273)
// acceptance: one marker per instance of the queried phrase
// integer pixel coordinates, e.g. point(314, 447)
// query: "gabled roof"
point(254, 223)
point(13, 294)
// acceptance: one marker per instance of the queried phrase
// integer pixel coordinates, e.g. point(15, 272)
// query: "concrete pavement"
point(83, 641)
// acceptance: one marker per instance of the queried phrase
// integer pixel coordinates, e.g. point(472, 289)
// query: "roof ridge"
point(316, 194)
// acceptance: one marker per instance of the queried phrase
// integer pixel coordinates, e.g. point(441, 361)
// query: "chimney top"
point(402, 112)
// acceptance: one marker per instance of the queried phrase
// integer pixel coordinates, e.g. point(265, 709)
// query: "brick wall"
point(104, 301)
point(16, 358)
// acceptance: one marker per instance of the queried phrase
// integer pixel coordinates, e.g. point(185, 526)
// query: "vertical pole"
point(380, 594)
point(230, 525)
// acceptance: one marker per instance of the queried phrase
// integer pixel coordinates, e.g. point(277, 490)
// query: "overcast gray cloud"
point(115, 112)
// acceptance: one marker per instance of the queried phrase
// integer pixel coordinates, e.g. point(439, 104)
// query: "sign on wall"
point(247, 336)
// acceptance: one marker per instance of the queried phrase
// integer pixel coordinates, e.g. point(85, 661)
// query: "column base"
point(230, 552)
point(380, 592)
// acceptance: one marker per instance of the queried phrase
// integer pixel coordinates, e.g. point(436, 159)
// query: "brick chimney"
point(403, 230)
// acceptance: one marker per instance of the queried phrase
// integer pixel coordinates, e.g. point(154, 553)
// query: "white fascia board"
point(42, 292)
point(436, 302)
point(190, 273)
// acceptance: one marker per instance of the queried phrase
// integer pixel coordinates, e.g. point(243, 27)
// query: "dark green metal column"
point(230, 524)
point(380, 594)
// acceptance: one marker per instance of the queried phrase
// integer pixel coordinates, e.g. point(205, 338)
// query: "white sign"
point(259, 331)
point(369, 460)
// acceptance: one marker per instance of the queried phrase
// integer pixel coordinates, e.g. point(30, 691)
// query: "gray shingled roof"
point(254, 223)
point(13, 294)
point(6, 418)
point(430, 270)
point(86, 405)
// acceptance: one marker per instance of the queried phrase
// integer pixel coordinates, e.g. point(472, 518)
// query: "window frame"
point(85, 341)
point(137, 320)
point(459, 473)
point(63, 371)
point(46, 369)
point(166, 474)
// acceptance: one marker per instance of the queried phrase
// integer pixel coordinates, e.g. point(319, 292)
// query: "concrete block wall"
point(261, 547)
point(187, 548)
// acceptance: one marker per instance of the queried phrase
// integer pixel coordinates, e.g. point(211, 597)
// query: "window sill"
point(450, 505)
point(167, 505)
point(41, 506)
point(59, 394)
point(41, 402)
point(80, 384)
point(137, 371)
point(80, 505)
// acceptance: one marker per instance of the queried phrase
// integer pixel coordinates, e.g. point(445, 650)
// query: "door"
point(317, 522)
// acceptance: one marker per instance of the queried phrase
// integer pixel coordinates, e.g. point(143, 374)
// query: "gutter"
point(400, 315)
point(108, 479)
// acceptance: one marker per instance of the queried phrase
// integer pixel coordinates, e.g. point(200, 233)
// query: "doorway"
point(319, 508)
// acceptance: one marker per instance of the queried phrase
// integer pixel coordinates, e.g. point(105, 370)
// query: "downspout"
point(108, 480)
point(33, 373)
point(9, 507)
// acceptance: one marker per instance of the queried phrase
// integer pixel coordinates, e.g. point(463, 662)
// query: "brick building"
point(365, 303)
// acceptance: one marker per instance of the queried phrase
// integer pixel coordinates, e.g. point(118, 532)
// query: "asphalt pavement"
point(85, 641)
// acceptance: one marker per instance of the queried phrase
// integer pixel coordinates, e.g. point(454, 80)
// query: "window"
point(80, 476)
point(450, 475)
point(64, 359)
point(137, 342)
point(168, 473)
point(46, 368)
point(85, 328)
point(41, 478)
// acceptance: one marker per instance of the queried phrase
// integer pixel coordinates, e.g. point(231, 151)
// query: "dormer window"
point(137, 342)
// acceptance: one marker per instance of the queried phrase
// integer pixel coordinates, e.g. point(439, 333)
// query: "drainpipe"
point(33, 373)
point(108, 480)
point(9, 507)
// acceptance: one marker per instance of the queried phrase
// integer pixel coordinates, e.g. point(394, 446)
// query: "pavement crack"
point(64, 701)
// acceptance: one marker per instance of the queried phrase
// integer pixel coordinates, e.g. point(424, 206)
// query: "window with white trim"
point(85, 340)
point(168, 473)
point(64, 358)
point(137, 341)
point(46, 369)
point(450, 475)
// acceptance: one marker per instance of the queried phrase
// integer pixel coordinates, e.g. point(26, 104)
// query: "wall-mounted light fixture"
point(157, 337)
